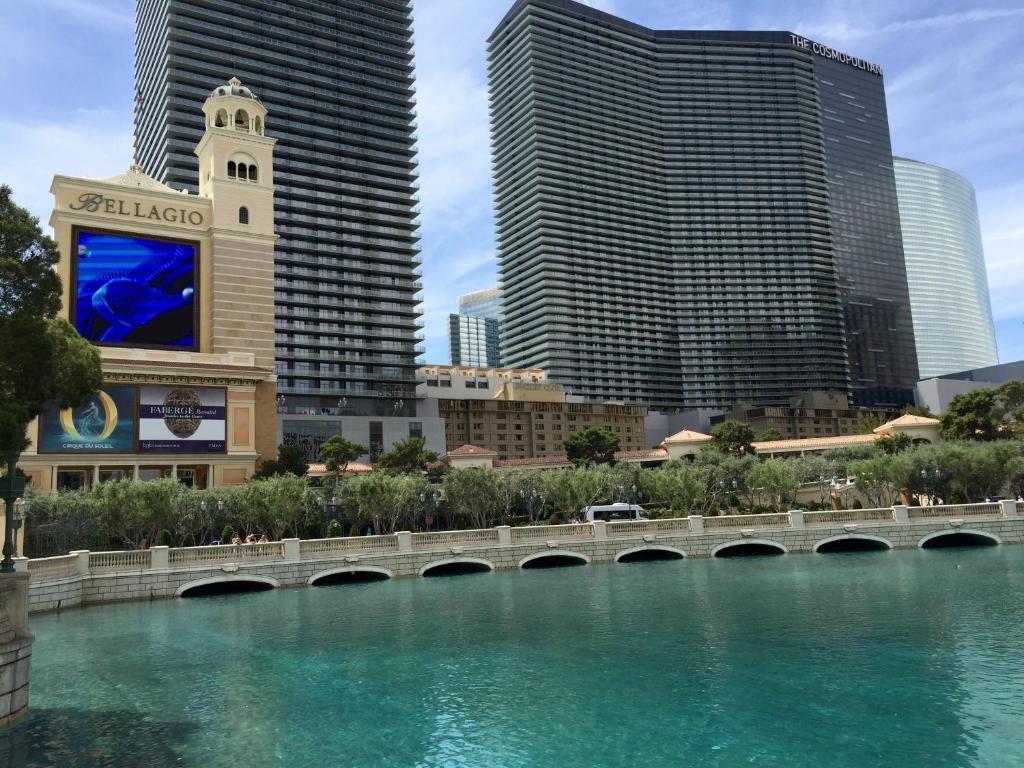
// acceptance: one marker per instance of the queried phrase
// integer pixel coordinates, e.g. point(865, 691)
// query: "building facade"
point(526, 420)
point(176, 290)
point(483, 303)
point(808, 415)
point(473, 382)
point(474, 334)
point(339, 79)
point(949, 296)
point(694, 219)
point(474, 341)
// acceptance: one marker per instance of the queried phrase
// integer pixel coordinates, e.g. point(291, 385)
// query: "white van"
point(614, 512)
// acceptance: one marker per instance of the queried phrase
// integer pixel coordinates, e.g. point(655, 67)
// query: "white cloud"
point(843, 29)
point(84, 143)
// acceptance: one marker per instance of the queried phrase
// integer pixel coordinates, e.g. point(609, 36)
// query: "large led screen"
point(103, 423)
point(135, 291)
point(182, 420)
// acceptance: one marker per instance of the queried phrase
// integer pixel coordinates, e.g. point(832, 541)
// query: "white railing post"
point(696, 523)
point(796, 518)
point(1009, 507)
point(82, 563)
point(159, 558)
point(291, 550)
point(600, 530)
point(900, 514)
point(21, 565)
point(404, 541)
point(504, 535)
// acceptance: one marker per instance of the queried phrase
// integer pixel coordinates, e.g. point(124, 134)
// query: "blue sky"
point(954, 73)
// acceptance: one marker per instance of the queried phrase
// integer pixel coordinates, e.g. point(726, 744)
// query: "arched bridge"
point(94, 577)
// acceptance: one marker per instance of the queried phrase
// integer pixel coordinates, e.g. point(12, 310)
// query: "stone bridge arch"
point(555, 557)
point(451, 566)
point(858, 542)
point(649, 552)
point(356, 573)
point(258, 582)
point(959, 537)
point(742, 547)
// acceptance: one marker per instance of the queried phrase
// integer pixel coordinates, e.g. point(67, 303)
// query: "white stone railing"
point(486, 536)
point(840, 516)
point(634, 527)
point(129, 560)
point(225, 553)
point(772, 520)
point(49, 568)
point(547, 532)
point(312, 548)
point(955, 510)
point(83, 563)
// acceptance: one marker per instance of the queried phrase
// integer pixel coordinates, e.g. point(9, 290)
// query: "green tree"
point(769, 434)
point(406, 456)
point(592, 446)
point(773, 484)
point(867, 423)
point(388, 502)
point(917, 410)
point(882, 479)
point(976, 415)
point(42, 358)
point(338, 453)
point(1011, 397)
point(895, 443)
point(289, 461)
point(474, 496)
point(733, 437)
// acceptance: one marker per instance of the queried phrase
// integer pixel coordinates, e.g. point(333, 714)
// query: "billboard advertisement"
point(103, 423)
point(134, 291)
point(182, 420)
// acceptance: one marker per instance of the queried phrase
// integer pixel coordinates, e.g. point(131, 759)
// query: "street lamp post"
point(13, 488)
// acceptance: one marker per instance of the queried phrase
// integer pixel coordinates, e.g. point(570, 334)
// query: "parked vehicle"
point(614, 512)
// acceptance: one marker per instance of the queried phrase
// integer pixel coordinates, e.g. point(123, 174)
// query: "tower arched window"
point(258, 124)
point(243, 171)
point(232, 169)
point(243, 215)
point(221, 120)
point(241, 120)
point(252, 173)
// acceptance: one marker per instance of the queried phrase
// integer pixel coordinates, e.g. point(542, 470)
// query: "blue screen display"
point(135, 291)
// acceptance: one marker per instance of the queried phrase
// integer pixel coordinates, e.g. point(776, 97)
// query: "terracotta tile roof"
point(321, 469)
point(471, 450)
point(646, 453)
point(536, 461)
point(908, 420)
point(685, 436)
point(812, 443)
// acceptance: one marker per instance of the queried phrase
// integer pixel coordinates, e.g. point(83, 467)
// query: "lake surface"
point(902, 658)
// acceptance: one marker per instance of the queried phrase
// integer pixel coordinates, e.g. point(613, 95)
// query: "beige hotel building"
point(177, 291)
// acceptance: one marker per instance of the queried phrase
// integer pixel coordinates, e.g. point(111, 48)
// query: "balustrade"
point(159, 558)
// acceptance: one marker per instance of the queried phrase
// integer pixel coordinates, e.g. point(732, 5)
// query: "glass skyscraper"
point(945, 269)
point(694, 219)
point(338, 76)
point(474, 334)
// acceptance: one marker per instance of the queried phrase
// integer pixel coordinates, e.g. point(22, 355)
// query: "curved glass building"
point(949, 298)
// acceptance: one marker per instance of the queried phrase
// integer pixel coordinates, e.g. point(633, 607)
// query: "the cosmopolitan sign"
point(93, 202)
point(832, 53)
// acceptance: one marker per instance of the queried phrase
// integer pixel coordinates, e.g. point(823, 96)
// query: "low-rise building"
point(807, 415)
point(526, 419)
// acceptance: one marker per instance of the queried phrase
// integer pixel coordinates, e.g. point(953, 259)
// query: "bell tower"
point(236, 160)
point(236, 173)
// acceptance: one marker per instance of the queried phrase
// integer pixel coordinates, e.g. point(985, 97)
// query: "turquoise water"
point(876, 659)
